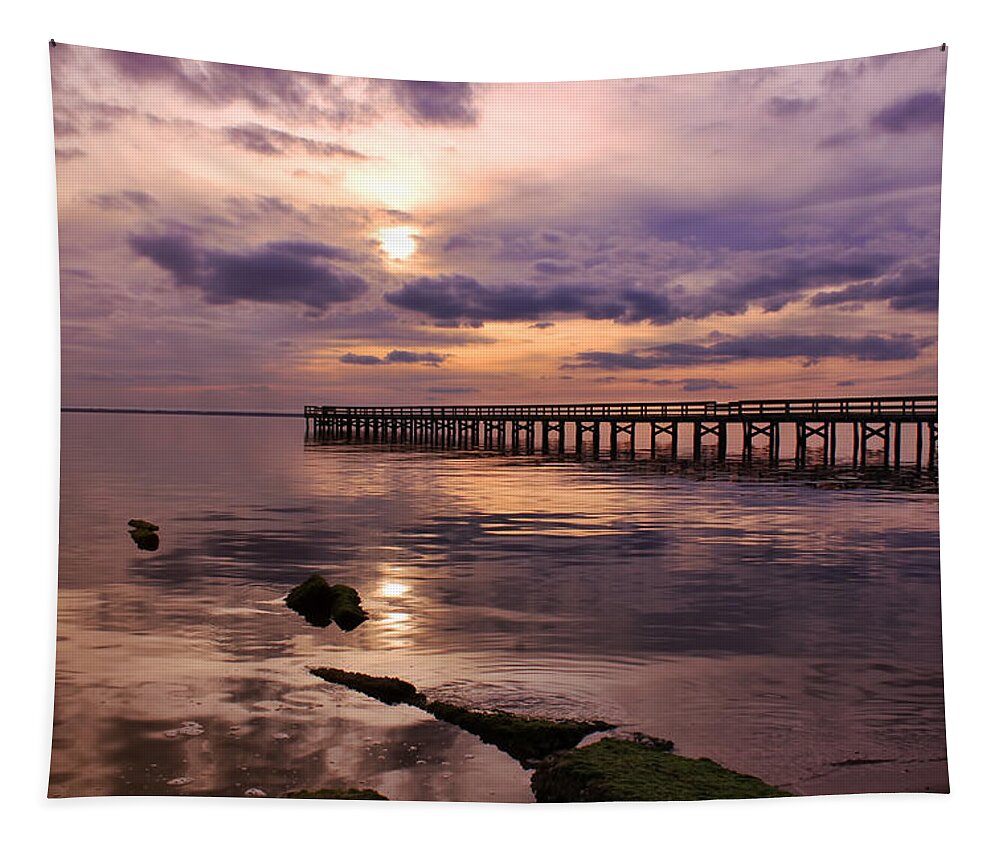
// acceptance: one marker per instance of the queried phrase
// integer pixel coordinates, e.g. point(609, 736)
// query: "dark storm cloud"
point(458, 300)
point(782, 107)
point(809, 347)
point(270, 142)
point(914, 287)
point(436, 103)
point(277, 272)
point(917, 112)
point(396, 356)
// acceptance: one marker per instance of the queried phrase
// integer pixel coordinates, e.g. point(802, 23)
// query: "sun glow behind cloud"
point(398, 242)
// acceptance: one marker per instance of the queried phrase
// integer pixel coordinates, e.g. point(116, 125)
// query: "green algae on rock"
point(526, 738)
point(339, 795)
point(389, 690)
point(322, 604)
point(621, 770)
point(144, 534)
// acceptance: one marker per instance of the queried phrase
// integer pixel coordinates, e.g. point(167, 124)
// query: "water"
point(783, 630)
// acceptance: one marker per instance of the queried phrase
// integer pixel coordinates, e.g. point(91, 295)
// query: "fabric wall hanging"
point(519, 442)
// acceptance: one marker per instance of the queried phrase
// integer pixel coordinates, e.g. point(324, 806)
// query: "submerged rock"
point(322, 604)
point(526, 738)
point(340, 794)
point(144, 534)
point(386, 689)
point(621, 770)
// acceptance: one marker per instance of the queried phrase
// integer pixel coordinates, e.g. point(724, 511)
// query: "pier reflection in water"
point(784, 630)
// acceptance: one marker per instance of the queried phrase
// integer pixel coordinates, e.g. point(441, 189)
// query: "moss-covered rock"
point(620, 770)
point(526, 738)
point(144, 535)
point(387, 689)
point(347, 611)
point(340, 795)
point(322, 604)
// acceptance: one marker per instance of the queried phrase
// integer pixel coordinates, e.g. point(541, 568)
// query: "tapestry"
point(499, 442)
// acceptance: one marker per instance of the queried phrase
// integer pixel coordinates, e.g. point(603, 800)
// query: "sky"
point(240, 238)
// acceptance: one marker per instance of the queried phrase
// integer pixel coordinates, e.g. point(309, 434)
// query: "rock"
point(347, 611)
point(386, 689)
point(320, 604)
point(340, 794)
point(622, 770)
point(144, 534)
point(525, 738)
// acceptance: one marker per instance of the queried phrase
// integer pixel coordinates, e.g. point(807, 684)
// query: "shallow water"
point(785, 631)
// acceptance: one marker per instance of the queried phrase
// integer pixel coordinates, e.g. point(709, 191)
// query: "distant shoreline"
point(182, 412)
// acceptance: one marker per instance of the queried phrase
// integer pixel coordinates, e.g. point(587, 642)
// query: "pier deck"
point(579, 430)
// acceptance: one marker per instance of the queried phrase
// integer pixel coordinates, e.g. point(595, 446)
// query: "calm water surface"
point(784, 631)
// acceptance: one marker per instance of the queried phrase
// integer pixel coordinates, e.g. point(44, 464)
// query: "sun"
point(398, 242)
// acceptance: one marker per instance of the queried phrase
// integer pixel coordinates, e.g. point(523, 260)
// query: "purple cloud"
point(457, 299)
point(394, 357)
point(436, 103)
point(914, 287)
point(782, 107)
point(918, 112)
point(277, 272)
point(127, 200)
point(270, 142)
point(810, 347)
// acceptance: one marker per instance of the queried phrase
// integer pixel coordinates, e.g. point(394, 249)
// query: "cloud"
point(448, 391)
point(396, 356)
point(696, 385)
point(555, 267)
point(70, 153)
point(361, 360)
point(436, 103)
point(913, 287)
point(277, 272)
point(302, 95)
point(459, 299)
point(917, 112)
point(811, 348)
point(839, 139)
point(128, 200)
point(782, 107)
point(790, 277)
point(271, 142)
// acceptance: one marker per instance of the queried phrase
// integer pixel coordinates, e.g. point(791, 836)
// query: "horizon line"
point(75, 409)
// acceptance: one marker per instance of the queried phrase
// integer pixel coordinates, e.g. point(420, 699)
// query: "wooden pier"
point(878, 428)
